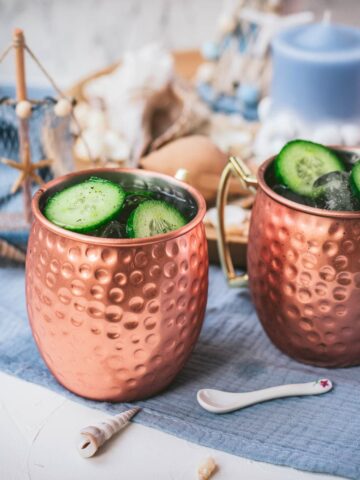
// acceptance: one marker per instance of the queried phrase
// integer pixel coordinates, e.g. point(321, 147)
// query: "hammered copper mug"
point(303, 271)
point(116, 319)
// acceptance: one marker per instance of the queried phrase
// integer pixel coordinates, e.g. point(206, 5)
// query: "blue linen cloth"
point(318, 434)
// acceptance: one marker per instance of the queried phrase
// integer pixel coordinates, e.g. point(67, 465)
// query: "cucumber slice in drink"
point(301, 162)
point(355, 179)
point(153, 217)
point(85, 206)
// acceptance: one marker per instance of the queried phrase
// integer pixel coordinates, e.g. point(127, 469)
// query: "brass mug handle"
point(239, 169)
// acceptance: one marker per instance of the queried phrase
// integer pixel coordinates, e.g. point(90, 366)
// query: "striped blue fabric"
point(318, 434)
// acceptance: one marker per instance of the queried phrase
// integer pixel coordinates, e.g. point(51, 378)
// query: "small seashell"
point(93, 437)
point(23, 109)
point(63, 107)
point(207, 470)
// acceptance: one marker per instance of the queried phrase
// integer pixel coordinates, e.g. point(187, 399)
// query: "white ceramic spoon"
point(217, 401)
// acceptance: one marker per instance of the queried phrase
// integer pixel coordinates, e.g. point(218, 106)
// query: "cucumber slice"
point(85, 206)
point(300, 163)
point(153, 217)
point(355, 179)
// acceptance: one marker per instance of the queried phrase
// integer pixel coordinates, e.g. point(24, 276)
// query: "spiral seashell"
point(93, 437)
point(207, 470)
point(11, 253)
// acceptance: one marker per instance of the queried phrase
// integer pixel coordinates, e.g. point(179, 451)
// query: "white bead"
point(63, 107)
point(350, 134)
point(23, 109)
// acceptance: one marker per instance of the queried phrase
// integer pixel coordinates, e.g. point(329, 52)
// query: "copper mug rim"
point(298, 206)
point(200, 201)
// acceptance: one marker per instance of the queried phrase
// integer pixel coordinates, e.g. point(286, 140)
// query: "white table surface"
point(38, 432)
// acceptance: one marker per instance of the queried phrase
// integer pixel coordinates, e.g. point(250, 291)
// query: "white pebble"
point(327, 134)
point(350, 134)
point(23, 109)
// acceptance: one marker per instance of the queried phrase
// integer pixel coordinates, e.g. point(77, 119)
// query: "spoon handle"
point(217, 401)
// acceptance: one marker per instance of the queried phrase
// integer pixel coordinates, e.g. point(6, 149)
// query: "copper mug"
point(303, 271)
point(116, 319)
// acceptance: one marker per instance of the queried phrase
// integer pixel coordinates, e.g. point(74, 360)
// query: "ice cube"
point(113, 229)
point(335, 192)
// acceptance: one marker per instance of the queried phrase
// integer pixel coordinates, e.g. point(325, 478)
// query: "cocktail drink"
point(303, 257)
point(116, 280)
point(317, 176)
point(116, 209)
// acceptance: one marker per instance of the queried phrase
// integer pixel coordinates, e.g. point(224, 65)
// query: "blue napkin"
point(318, 434)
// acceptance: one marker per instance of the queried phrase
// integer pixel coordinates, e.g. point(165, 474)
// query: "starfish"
point(27, 169)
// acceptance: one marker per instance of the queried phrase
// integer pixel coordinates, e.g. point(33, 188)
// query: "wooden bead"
point(23, 109)
point(63, 107)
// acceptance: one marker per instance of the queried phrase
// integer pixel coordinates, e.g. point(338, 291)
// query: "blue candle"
point(316, 72)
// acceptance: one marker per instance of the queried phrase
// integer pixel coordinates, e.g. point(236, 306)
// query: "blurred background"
point(198, 80)
point(75, 37)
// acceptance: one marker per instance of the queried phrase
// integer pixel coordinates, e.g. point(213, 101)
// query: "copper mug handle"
point(240, 170)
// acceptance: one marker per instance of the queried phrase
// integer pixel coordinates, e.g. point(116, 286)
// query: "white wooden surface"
point(38, 431)
point(37, 427)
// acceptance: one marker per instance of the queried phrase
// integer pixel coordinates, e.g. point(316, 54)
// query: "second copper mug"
point(116, 319)
point(303, 272)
